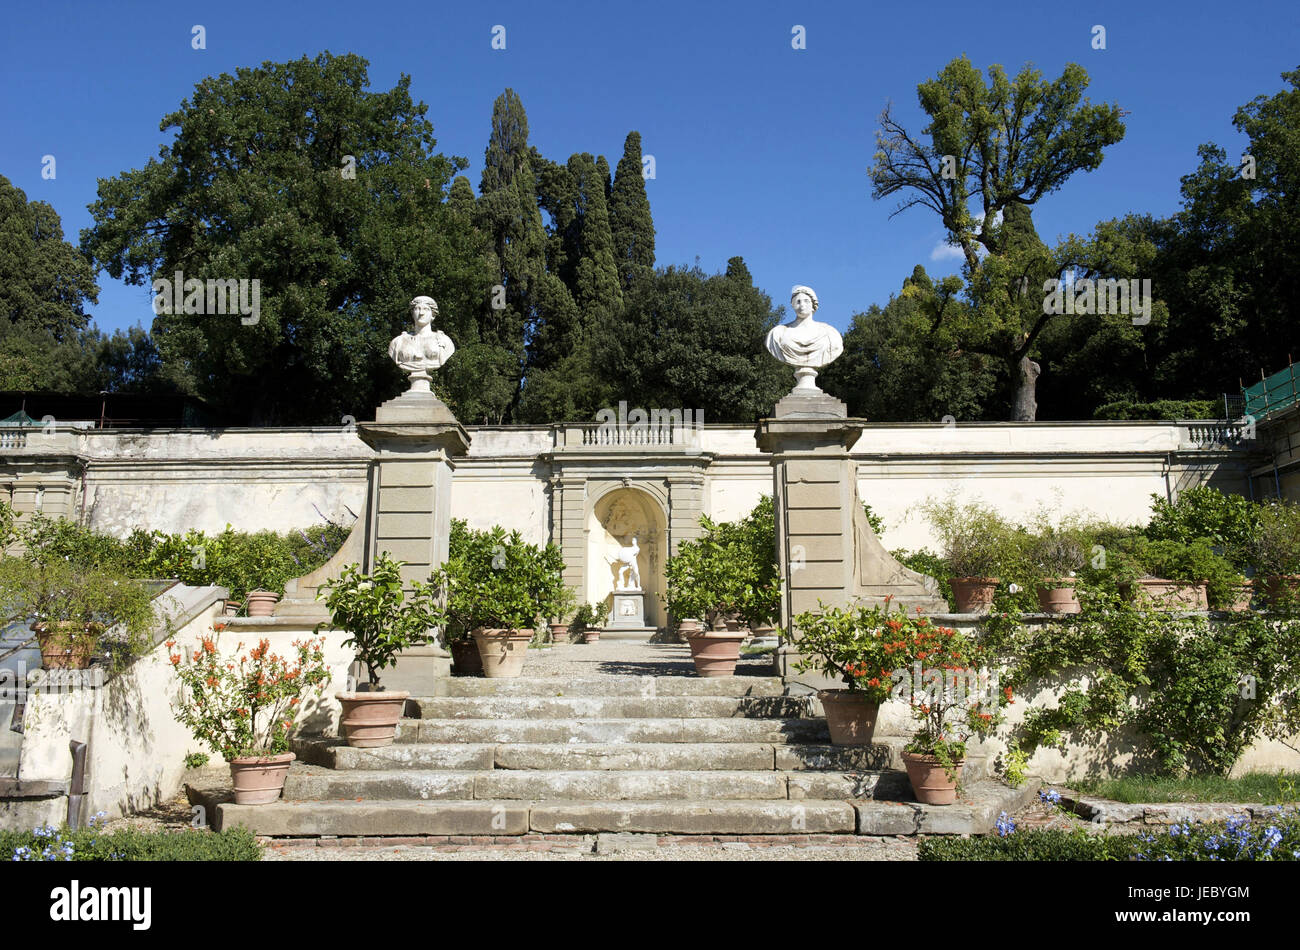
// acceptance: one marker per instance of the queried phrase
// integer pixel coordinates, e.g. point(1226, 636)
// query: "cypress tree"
point(629, 216)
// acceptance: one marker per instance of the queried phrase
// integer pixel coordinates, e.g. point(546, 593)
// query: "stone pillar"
point(569, 531)
point(416, 438)
point(826, 550)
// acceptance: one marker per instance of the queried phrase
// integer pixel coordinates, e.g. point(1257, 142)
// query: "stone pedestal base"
point(628, 612)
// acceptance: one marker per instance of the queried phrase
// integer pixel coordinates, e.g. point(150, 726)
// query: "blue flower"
point(1272, 838)
point(1052, 797)
point(1006, 824)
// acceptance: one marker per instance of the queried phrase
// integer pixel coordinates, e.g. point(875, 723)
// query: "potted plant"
point(561, 613)
point(951, 698)
point(76, 611)
point(243, 707)
point(261, 603)
point(977, 544)
point(588, 621)
point(382, 620)
point(706, 578)
point(1177, 575)
point(1059, 555)
point(1273, 550)
point(854, 645)
point(495, 587)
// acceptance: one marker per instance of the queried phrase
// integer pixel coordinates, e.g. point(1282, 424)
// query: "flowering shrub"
point(244, 707)
point(128, 844)
point(856, 645)
point(1275, 837)
point(951, 693)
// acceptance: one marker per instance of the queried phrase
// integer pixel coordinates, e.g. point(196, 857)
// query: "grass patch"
point(1266, 788)
point(756, 651)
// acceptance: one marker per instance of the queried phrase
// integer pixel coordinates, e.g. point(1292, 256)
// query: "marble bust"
point(422, 348)
point(805, 343)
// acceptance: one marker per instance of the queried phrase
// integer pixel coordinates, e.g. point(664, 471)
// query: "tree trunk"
point(1025, 406)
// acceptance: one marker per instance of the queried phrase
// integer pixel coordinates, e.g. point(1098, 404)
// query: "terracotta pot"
point(1242, 595)
point(1169, 595)
point(850, 716)
point(502, 651)
point(559, 633)
point(1281, 587)
point(973, 595)
point(591, 635)
point(688, 628)
point(65, 645)
point(261, 603)
point(259, 781)
point(231, 608)
point(930, 783)
point(715, 653)
point(369, 720)
point(1061, 599)
point(465, 659)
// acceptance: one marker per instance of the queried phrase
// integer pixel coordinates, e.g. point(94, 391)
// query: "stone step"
point(885, 753)
point(596, 730)
point(605, 707)
point(975, 812)
point(308, 783)
point(612, 685)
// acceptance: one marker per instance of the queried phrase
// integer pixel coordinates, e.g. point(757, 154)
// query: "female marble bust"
point(806, 344)
point(421, 348)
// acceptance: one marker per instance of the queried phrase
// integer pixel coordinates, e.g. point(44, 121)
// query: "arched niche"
point(615, 517)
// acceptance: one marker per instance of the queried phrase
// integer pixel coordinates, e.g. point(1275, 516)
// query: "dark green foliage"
point(1040, 844)
point(630, 221)
point(695, 341)
point(90, 844)
point(1169, 409)
point(253, 186)
point(902, 364)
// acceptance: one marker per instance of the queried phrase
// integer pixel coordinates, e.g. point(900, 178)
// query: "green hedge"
point(1162, 409)
point(237, 560)
point(129, 844)
point(1274, 836)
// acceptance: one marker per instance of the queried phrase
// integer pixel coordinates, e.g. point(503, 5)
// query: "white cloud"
point(943, 251)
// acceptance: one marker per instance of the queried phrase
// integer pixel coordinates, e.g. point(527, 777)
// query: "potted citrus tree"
point(951, 700)
point(243, 707)
point(707, 577)
point(855, 646)
point(381, 619)
point(588, 621)
point(494, 588)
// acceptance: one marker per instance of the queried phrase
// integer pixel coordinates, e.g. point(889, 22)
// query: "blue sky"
point(760, 150)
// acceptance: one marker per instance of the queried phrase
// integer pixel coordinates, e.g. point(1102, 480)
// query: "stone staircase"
point(668, 755)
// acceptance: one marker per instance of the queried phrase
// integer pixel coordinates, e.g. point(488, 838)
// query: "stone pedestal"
point(826, 550)
point(628, 612)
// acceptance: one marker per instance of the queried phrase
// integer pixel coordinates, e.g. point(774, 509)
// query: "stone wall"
point(285, 478)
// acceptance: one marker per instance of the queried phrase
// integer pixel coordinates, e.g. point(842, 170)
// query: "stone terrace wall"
point(285, 478)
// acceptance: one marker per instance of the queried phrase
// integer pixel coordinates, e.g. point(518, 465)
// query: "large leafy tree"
point(695, 341)
point(901, 362)
point(331, 195)
point(989, 153)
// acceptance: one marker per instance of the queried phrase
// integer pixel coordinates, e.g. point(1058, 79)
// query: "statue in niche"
point(623, 561)
point(422, 348)
point(805, 343)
